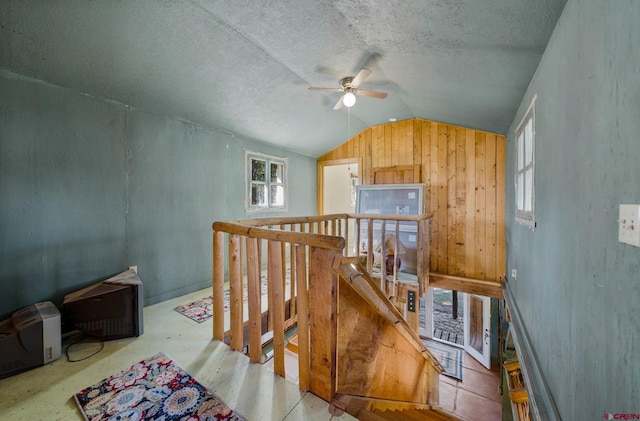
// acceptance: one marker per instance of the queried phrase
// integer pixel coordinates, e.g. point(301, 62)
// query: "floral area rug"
point(449, 356)
point(202, 309)
point(153, 389)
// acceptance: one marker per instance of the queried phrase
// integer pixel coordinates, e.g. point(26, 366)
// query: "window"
point(267, 179)
point(525, 158)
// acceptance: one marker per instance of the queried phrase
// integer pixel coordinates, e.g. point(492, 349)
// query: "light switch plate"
point(629, 225)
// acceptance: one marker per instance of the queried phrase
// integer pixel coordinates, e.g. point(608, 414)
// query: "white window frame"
point(525, 139)
point(268, 159)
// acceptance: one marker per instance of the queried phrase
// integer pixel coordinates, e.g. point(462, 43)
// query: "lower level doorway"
point(458, 319)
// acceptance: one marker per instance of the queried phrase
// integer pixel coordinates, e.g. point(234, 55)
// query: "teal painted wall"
point(577, 287)
point(89, 187)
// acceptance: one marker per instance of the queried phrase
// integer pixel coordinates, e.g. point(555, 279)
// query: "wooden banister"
point(307, 251)
point(321, 241)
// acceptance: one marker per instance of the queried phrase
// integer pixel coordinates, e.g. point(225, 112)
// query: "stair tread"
point(292, 344)
point(407, 415)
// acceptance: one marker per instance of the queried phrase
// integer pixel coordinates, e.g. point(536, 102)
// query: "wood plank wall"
point(464, 173)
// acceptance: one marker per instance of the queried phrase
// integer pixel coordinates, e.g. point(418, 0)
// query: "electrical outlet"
point(514, 273)
point(629, 225)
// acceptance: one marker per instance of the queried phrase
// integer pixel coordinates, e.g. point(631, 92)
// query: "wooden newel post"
point(323, 293)
point(218, 285)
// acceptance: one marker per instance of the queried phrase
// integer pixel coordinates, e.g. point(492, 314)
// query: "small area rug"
point(449, 356)
point(202, 309)
point(153, 389)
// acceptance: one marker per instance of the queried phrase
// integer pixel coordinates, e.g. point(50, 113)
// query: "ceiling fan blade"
point(373, 94)
point(313, 88)
point(360, 77)
point(339, 103)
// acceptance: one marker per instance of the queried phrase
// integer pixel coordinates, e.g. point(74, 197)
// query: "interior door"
point(339, 183)
point(477, 328)
point(339, 189)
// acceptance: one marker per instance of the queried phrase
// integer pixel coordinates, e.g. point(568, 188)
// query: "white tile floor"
point(45, 393)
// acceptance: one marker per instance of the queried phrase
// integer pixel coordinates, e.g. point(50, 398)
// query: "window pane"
point(258, 194)
point(528, 138)
point(277, 173)
point(520, 192)
point(528, 184)
point(258, 170)
point(520, 151)
point(277, 196)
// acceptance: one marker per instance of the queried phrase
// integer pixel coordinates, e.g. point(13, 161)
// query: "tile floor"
point(45, 393)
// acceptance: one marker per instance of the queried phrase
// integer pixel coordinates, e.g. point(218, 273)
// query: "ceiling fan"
point(350, 86)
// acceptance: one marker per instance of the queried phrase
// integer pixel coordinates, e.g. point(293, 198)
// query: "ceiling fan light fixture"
point(349, 99)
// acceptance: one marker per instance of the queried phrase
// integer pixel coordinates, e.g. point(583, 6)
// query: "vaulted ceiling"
point(244, 67)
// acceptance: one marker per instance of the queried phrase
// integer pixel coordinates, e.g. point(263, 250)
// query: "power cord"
point(80, 340)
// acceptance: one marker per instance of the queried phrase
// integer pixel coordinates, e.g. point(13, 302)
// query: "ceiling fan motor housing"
point(345, 83)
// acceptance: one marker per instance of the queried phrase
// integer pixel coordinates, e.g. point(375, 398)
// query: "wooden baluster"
point(396, 255)
point(292, 279)
point(344, 232)
point(383, 252)
point(254, 285)
point(370, 246)
point(277, 305)
point(422, 252)
point(357, 236)
point(269, 302)
point(283, 252)
point(218, 285)
point(303, 316)
point(236, 293)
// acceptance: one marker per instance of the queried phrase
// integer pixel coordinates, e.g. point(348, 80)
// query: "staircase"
point(352, 341)
point(366, 409)
point(405, 415)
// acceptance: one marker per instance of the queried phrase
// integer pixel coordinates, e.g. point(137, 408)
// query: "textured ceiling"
point(244, 66)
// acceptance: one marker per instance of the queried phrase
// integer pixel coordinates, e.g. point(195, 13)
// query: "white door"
point(339, 189)
point(339, 194)
point(477, 328)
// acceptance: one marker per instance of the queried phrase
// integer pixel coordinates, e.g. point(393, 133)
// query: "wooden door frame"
point(320, 177)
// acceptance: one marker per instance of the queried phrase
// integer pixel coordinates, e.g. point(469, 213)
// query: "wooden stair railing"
point(308, 252)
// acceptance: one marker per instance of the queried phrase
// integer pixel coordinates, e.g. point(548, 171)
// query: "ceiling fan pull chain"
point(348, 122)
